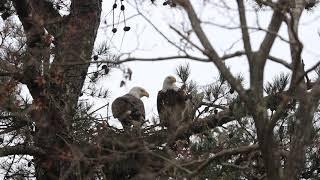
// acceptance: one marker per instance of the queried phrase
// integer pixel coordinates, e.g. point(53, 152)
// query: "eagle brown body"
point(129, 107)
point(171, 104)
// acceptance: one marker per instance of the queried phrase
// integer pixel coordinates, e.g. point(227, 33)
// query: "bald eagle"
point(129, 107)
point(171, 104)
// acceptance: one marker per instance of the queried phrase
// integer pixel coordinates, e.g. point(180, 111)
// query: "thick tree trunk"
point(305, 112)
point(267, 144)
point(56, 88)
point(300, 139)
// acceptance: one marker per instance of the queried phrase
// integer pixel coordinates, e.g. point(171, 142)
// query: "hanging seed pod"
point(114, 30)
point(122, 7)
point(106, 69)
point(122, 83)
point(95, 75)
point(310, 5)
point(206, 109)
point(126, 28)
point(114, 6)
point(231, 91)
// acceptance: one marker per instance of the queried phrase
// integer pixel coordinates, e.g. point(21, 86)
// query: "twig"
point(280, 61)
point(171, 162)
point(227, 152)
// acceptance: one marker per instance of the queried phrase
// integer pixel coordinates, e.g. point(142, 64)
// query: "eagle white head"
point(138, 92)
point(169, 83)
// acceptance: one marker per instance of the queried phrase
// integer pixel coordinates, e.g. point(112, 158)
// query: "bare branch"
point(158, 30)
point(235, 54)
point(315, 92)
point(315, 66)
point(225, 57)
point(201, 125)
point(280, 61)
point(170, 161)
point(209, 50)
point(244, 29)
point(130, 59)
point(187, 39)
point(248, 27)
point(269, 39)
point(227, 152)
point(21, 149)
point(162, 59)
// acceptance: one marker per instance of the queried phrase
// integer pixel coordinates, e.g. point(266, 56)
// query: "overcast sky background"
point(142, 35)
point(145, 42)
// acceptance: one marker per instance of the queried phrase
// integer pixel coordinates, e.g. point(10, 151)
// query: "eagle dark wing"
point(127, 108)
point(160, 101)
point(170, 98)
point(171, 105)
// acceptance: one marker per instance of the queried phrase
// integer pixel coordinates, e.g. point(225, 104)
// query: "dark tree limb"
point(244, 29)
point(201, 125)
point(208, 48)
point(271, 35)
point(21, 150)
point(280, 61)
point(224, 153)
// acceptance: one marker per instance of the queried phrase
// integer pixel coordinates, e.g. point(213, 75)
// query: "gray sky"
point(148, 43)
point(145, 42)
point(150, 75)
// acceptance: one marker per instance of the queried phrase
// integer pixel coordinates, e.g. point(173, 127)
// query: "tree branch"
point(315, 66)
point(227, 152)
point(186, 38)
point(209, 50)
point(232, 55)
point(270, 37)
point(201, 125)
point(248, 27)
point(158, 30)
point(130, 59)
point(280, 61)
point(315, 93)
point(162, 59)
point(21, 150)
point(244, 29)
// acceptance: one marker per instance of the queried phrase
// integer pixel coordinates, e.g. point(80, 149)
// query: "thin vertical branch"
point(244, 29)
point(209, 50)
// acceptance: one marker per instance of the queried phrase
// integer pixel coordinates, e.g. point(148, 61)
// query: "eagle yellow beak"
point(146, 94)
